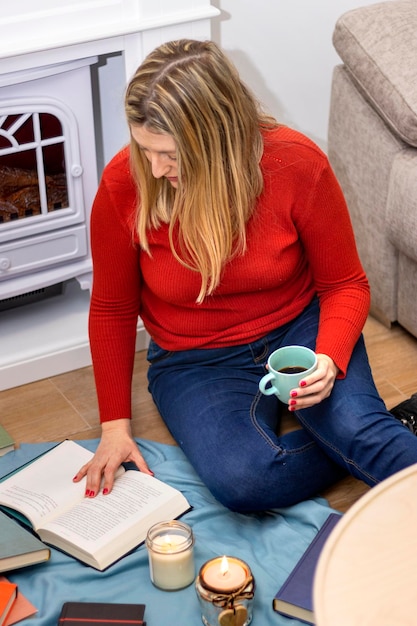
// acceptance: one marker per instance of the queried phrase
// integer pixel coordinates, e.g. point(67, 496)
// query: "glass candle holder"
point(171, 555)
point(225, 588)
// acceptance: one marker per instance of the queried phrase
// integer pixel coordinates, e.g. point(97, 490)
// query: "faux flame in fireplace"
point(33, 177)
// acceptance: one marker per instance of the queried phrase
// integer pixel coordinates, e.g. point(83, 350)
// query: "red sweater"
point(299, 243)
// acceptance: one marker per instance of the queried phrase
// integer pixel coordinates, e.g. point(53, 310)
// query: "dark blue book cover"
point(295, 597)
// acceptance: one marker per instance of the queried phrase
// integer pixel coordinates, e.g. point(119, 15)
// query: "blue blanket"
point(271, 543)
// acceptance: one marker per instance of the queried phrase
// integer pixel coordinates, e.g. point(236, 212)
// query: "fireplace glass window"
point(33, 172)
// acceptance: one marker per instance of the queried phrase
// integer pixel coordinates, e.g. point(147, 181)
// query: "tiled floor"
point(65, 406)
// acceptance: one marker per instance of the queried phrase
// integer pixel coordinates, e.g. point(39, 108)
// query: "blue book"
point(295, 597)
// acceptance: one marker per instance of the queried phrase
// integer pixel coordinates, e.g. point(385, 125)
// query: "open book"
point(97, 531)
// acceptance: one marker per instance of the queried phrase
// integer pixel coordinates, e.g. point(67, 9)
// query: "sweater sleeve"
point(115, 296)
point(340, 281)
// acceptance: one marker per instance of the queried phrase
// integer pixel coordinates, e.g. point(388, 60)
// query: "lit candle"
point(170, 553)
point(225, 588)
point(224, 574)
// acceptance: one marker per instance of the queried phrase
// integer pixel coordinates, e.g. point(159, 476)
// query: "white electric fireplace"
point(48, 174)
point(63, 67)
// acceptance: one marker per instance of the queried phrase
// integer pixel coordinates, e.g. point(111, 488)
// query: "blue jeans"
point(229, 431)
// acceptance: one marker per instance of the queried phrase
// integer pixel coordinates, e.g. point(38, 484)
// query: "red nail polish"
point(92, 494)
point(293, 402)
point(105, 491)
point(303, 383)
point(87, 492)
point(293, 394)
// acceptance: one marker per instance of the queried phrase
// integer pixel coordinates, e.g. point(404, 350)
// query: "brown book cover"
point(101, 614)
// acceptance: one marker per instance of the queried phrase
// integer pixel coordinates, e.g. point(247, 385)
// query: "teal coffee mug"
point(287, 366)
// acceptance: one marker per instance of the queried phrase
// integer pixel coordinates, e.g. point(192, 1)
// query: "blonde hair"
point(189, 90)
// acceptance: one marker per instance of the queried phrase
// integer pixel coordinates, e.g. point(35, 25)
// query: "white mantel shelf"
point(30, 32)
point(64, 36)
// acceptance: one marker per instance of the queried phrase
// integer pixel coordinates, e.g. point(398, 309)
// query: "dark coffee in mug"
point(298, 361)
point(292, 369)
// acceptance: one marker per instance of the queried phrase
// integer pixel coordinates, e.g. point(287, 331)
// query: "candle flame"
point(167, 541)
point(224, 566)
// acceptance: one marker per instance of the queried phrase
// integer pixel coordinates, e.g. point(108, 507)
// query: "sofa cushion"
point(401, 208)
point(378, 45)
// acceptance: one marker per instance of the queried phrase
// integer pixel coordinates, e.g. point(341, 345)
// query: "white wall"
point(283, 50)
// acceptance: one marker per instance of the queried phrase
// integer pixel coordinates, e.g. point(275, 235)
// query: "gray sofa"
point(372, 145)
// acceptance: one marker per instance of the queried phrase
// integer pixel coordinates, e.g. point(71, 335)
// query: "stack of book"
point(14, 606)
point(8, 595)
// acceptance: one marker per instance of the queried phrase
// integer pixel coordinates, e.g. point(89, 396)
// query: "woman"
point(229, 235)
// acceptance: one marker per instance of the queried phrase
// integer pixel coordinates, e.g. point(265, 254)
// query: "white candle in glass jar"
point(171, 557)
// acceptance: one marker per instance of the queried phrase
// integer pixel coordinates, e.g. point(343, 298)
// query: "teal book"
point(6, 441)
point(18, 546)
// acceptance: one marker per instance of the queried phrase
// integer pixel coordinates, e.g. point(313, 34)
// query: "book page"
point(99, 520)
point(101, 530)
point(45, 486)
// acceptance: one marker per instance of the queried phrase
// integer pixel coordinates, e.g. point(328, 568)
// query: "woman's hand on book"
point(116, 446)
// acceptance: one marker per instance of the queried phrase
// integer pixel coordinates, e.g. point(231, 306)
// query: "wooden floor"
point(65, 406)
